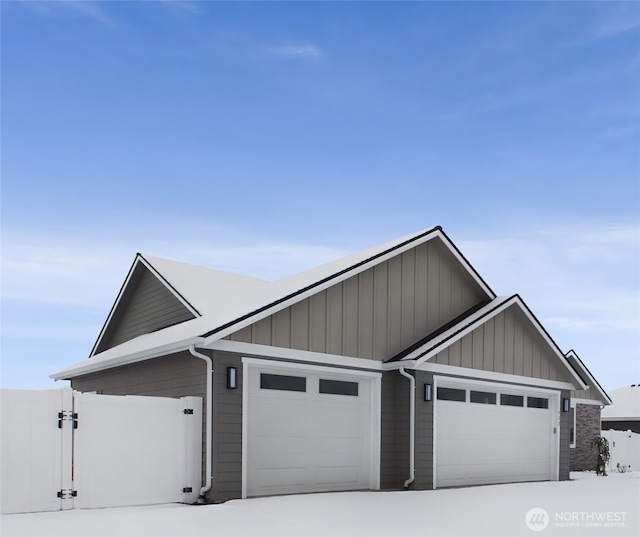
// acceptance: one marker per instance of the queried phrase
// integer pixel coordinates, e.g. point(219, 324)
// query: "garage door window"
point(338, 387)
point(537, 402)
point(487, 398)
point(452, 394)
point(511, 400)
point(283, 382)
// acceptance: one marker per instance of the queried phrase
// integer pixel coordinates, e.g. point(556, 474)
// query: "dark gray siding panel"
point(565, 442)
point(227, 429)
point(176, 375)
point(424, 434)
point(394, 431)
point(146, 306)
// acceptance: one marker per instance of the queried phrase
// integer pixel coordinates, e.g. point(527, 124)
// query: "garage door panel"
point(338, 476)
point(308, 441)
point(272, 480)
point(482, 443)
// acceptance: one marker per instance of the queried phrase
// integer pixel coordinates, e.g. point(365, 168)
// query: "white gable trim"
point(295, 355)
point(593, 384)
point(348, 273)
point(577, 401)
point(490, 375)
point(94, 365)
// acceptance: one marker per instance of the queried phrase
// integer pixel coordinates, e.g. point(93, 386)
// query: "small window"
point(452, 394)
point(487, 398)
point(338, 387)
point(283, 382)
point(511, 400)
point(537, 402)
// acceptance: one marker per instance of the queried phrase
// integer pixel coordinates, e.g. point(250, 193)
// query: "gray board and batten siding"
point(145, 306)
point(377, 313)
point(507, 343)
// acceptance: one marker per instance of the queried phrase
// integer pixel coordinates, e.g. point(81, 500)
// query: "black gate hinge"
point(188, 411)
point(71, 416)
point(68, 493)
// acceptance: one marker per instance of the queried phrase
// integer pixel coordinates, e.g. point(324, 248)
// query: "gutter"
point(208, 465)
point(412, 428)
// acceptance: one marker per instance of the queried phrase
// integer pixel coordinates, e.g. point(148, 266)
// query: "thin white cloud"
point(578, 278)
point(612, 20)
point(87, 9)
point(88, 272)
point(302, 51)
point(184, 6)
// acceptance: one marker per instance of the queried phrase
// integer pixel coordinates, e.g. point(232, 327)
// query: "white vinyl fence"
point(62, 449)
point(624, 447)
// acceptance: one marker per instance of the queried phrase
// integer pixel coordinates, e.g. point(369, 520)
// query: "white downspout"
point(412, 429)
point(192, 350)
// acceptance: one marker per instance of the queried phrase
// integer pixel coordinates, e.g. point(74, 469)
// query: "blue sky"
point(268, 137)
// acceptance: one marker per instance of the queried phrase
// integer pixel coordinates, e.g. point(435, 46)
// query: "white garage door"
point(494, 433)
point(309, 429)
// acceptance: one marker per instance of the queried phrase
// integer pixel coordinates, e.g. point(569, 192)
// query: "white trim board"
point(585, 402)
point(490, 375)
point(319, 358)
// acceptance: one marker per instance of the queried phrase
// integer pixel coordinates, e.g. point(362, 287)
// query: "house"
point(396, 367)
point(584, 416)
point(624, 413)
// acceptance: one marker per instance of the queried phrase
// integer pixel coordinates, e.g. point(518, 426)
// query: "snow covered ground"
point(585, 506)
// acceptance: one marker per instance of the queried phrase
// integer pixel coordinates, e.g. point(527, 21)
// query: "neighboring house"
point(624, 413)
point(584, 417)
point(394, 367)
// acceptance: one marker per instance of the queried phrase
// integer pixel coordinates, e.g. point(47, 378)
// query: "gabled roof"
point(224, 303)
point(435, 343)
point(587, 377)
point(625, 404)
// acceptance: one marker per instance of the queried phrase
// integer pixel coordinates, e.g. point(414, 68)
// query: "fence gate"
point(63, 449)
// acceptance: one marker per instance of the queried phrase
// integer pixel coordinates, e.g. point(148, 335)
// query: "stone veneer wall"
point(583, 457)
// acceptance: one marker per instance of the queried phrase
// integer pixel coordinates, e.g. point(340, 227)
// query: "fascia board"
point(254, 349)
point(492, 376)
point(169, 287)
point(593, 383)
point(349, 272)
point(578, 401)
point(94, 365)
point(550, 342)
point(463, 260)
point(116, 303)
